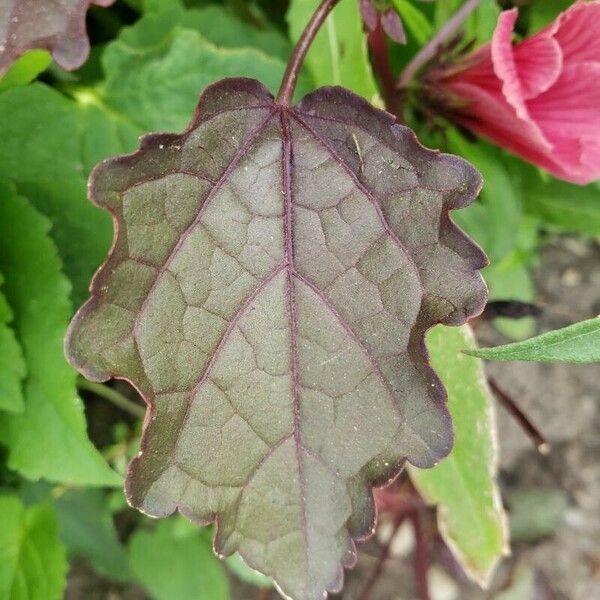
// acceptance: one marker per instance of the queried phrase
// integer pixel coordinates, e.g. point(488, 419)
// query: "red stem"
point(290, 78)
point(377, 571)
point(520, 417)
point(264, 594)
point(420, 559)
point(381, 61)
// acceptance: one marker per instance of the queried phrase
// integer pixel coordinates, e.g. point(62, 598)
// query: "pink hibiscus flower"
point(540, 98)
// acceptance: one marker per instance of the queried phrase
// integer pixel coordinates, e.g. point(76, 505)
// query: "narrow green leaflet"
point(87, 529)
point(176, 561)
point(49, 145)
point(157, 88)
point(49, 439)
point(338, 56)
point(578, 343)
point(12, 364)
point(463, 485)
point(33, 565)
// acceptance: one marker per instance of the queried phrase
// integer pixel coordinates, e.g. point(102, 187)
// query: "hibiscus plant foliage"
point(278, 344)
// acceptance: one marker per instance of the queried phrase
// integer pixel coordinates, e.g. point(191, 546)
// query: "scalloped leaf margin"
point(271, 281)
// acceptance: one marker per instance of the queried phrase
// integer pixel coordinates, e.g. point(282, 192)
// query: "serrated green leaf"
point(49, 145)
point(25, 69)
point(172, 565)
point(86, 528)
point(577, 343)
point(158, 88)
point(338, 55)
point(12, 363)
point(463, 485)
point(33, 565)
point(49, 439)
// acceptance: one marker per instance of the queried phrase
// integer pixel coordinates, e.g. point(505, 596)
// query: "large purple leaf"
point(55, 25)
point(272, 278)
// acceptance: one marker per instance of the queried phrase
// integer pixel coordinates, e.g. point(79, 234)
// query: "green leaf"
point(511, 279)
point(463, 485)
point(49, 439)
point(33, 565)
point(542, 13)
point(495, 218)
point(338, 55)
point(272, 277)
point(49, 145)
point(25, 69)
point(217, 25)
point(479, 25)
point(416, 23)
point(563, 206)
point(578, 343)
point(158, 88)
point(86, 528)
point(12, 363)
point(172, 563)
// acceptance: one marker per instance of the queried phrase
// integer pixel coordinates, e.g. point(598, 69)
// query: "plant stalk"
point(431, 48)
point(381, 61)
point(520, 417)
point(290, 78)
point(378, 570)
point(114, 397)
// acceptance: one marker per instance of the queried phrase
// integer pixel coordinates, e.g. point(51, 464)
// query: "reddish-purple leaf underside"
point(272, 277)
point(54, 25)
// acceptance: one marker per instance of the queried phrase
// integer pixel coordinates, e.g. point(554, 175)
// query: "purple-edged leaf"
point(54, 25)
point(271, 281)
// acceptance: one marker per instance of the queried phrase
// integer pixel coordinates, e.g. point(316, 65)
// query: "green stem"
point(103, 391)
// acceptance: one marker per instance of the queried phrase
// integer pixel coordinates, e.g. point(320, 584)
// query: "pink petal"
point(539, 62)
point(579, 33)
point(577, 160)
point(504, 62)
point(491, 116)
point(571, 107)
